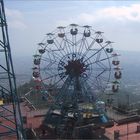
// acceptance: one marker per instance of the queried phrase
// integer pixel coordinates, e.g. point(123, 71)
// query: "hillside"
point(129, 62)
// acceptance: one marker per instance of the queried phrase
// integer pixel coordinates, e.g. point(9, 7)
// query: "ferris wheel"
point(77, 53)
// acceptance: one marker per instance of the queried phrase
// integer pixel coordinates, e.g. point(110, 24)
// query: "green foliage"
point(23, 89)
point(35, 97)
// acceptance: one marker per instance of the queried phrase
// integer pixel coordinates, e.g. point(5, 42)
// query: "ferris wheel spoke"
point(57, 43)
point(64, 48)
point(98, 56)
point(97, 61)
point(96, 75)
point(57, 82)
point(100, 69)
point(84, 45)
point(96, 81)
point(90, 46)
point(74, 44)
point(47, 68)
point(102, 85)
point(46, 73)
point(52, 76)
point(106, 79)
point(102, 48)
point(93, 83)
point(48, 64)
point(56, 55)
point(99, 83)
point(69, 44)
point(60, 49)
point(48, 59)
point(68, 41)
point(81, 45)
point(93, 54)
point(100, 74)
point(102, 66)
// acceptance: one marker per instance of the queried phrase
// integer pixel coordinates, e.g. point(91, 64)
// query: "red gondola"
point(118, 74)
point(37, 61)
point(115, 88)
point(35, 74)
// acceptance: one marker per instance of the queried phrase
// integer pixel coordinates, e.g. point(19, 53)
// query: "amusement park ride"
point(73, 67)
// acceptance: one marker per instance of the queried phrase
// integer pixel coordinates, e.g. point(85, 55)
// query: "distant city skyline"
point(29, 21)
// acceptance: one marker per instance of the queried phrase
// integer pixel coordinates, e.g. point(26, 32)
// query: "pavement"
point(126, 131)
point(35, 118)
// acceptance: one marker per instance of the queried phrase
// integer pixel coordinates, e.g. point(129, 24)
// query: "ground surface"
point(35, 118)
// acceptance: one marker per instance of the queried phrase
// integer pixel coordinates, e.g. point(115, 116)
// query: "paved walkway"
point(126, 131)
point(115, 115)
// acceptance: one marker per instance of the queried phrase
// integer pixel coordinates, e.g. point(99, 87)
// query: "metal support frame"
point(10, 114)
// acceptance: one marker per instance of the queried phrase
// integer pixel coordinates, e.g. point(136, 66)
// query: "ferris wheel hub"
point(75, 68)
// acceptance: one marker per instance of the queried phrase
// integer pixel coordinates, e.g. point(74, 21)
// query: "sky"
point(29, 21)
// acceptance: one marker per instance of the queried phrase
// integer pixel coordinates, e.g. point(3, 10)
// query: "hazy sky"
point(30, 20)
